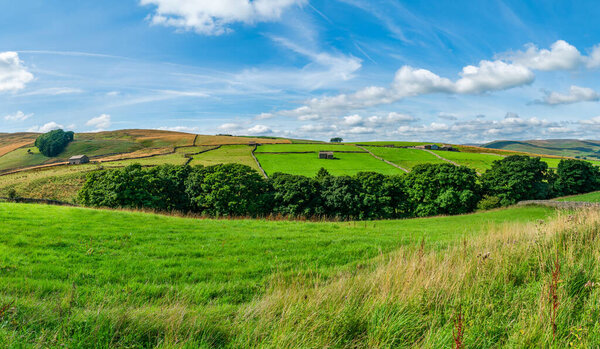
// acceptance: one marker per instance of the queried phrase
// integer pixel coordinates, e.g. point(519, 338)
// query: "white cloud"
point(593, 60)
point(359, 130)
point(18, 116)
point(230, 127)
point(185, 129)
point(353, 120)
point(264, 116)
point(113, 93)
point(13, 75)
point(53, 91)
point(45, 128)
point(259, 130)
point(408, 82)
point(576, 94)
point(100, 123)
point(446, 116)
point(213, 17)
point(391, 118)
point(560, 56)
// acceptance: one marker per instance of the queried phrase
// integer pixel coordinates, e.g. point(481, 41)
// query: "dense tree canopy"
point(54, 142)
point(429, 189)
point(576, 176)
point(516, 178)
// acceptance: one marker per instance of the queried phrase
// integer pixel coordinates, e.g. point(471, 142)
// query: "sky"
point(450, 70)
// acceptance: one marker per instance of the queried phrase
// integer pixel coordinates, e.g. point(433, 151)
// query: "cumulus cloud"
point(18, 116)
point(185, 129)
point(264, 116)
point(391, 118)
point(576, 94)
point(560, 56)
point(353, 120)
point(408, 82)
point(445, 116)
point(46, 127)
point(230, 127)
point(259, 130)
point(212, 17)
point(100, 123)
point(13, 75)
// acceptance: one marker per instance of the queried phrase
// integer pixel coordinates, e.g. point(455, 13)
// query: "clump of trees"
point(54, 142)
point(336, 140)
point(430, 189)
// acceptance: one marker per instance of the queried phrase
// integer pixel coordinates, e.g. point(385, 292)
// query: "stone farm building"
point(326, 155)
point(78, 160)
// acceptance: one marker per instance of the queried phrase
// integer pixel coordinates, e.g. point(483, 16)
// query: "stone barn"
point(326, 155)
point(78, 160)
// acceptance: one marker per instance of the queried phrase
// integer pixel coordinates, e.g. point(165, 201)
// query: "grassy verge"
point(589, 197)
point(79, 277)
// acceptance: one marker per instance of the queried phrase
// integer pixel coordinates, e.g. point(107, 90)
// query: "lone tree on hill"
point(54, 142)
point(336, 140)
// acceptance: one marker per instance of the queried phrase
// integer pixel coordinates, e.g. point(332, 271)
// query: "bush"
point(488, 203)
point(296, 196)
point(576, 177)
point(435, 189)
point(54, 142)
point(12, 194)
point(516, 178)
point(228, 190)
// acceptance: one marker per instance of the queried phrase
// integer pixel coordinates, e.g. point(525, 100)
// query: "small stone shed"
point(428, 147)
point(326, 155)
point(78, 160)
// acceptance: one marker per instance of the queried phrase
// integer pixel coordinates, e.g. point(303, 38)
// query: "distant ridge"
point(558, 147)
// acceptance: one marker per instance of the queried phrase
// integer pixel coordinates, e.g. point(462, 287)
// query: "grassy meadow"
point(299, 148)
point(406, 158)
point(309, 164)
point(588, 197)
point(237, 154)
point(74, 277)
point(478, 162)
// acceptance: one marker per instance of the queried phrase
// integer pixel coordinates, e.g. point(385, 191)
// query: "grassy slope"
point(479, 162)
point(218, 140)
point(407, 158)
point(588, 197)
point(559, 147)
point(398, 144)
point(12, 141)
point(276, 148)
point(78, 276)
point(309, 164)
point(239, 154)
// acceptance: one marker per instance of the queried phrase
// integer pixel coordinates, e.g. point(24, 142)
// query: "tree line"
point(429, 189)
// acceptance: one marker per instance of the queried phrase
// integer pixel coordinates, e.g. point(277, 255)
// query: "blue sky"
point(457, 71)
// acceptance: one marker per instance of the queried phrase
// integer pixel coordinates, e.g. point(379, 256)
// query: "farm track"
point(384, 160)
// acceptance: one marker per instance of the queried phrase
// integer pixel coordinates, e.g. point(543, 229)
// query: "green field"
point(398, 144)
point(478, 162)
point(309, 164)
point(290, 148)
point(79, 276)
point(237, 154)
point(589, 197)
point(406, 158)
point(20, 158)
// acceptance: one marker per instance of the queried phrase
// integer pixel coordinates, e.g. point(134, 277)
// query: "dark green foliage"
point(489, 202)
point(228, 190)
point(576, 177)
point(379, 196)
point(336, 140)
point(517, 178)
point(435, 189)
point(296, 196)
point(341, 196)
point(54, 142)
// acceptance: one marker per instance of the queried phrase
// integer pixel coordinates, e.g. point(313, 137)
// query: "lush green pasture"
point(407, 158)
point(589, 197)
point(309, 164)
point(478, 162)
point(170, 159)
point(20, 158)
point(238, 154)
point(398, 144)
point(97, 278)
point(289, 148)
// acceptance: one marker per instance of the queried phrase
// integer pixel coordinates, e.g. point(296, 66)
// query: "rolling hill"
point(558, 147)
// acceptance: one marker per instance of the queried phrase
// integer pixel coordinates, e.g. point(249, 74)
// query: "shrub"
point(435, 189)
point(54, 142)
point(489, 202)
point(516, 178)
point(12, 194)
point(296, 195)
point(576, 176)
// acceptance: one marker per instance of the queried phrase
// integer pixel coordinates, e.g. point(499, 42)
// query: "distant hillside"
point(558, 147)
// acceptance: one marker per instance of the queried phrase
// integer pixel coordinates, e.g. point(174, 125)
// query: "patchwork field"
point(479, 162)
point(124, 279)
point(230, 140)
point(237, 154)
point(397, 144)
point(309, 164)
point(406, 158)
point(291, 148)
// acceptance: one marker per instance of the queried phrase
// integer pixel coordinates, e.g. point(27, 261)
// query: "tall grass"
point(497, 285)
